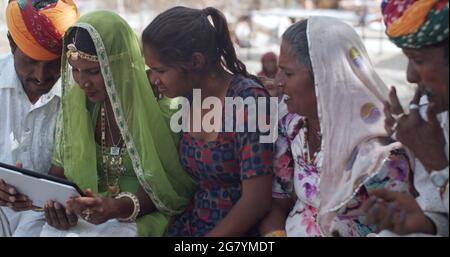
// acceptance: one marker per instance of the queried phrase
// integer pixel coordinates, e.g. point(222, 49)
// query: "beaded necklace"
point(113, 167)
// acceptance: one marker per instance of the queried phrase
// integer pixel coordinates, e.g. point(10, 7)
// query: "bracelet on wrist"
point(136, 206)
point(277, 233)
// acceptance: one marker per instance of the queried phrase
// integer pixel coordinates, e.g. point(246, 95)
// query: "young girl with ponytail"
point(189, 49)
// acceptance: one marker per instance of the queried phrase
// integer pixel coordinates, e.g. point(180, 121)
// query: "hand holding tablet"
point(9, 197)
point(19, 188)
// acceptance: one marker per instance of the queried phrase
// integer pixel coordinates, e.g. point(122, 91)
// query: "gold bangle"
point(277, 233)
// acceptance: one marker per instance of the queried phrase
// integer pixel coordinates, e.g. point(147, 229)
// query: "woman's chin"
point(95, 100)
point(291, 107)
point(169, 95)
point(294, 109)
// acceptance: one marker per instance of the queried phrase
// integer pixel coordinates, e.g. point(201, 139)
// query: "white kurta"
point(26, 135)
point(430, 199)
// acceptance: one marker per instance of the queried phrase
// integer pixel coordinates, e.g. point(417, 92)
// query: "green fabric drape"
point(151, 146)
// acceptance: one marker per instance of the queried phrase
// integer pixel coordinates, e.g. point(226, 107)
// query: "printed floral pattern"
point(293, 174)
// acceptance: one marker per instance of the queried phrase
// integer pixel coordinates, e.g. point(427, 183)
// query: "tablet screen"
point(40, 188)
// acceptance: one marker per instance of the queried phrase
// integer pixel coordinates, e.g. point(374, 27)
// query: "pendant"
point(115, 151)
point(123, 170)
point(112, 162)
point(114, 190)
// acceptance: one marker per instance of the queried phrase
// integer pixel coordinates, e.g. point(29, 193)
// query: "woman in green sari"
point(112, 137)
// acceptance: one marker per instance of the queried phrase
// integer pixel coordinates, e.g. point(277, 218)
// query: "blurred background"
point(257, 25)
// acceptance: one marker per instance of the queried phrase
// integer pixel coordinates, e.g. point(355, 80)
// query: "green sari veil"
point(151, 145)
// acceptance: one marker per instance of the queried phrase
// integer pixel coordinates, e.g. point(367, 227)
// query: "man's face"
point(37, 77)
point(428, 68)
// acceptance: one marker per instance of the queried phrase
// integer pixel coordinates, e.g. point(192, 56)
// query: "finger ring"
point(394, 136)
point(413, 107)
point(397, 117)
point(36, 209)
point(87, 213)
point(394, 128)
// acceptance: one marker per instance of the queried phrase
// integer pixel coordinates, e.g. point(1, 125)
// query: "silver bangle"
point(137, 206)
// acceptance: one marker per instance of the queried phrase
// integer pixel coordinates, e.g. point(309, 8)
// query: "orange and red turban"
point(38, 26)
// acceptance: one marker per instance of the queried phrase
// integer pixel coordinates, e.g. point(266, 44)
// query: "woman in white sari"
point(333, 147)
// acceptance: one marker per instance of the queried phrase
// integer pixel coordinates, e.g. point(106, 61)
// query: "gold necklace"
point(113, 163)
point(308, 159)
point(115, 149)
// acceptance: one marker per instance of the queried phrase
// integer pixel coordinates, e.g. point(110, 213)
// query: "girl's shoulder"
point(241, 86)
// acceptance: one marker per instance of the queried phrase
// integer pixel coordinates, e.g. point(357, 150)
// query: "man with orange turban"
point(30, 94)
point(421, 29)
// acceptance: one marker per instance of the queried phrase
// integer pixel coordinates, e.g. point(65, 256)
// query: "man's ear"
point(12, 44)
point(198, 61)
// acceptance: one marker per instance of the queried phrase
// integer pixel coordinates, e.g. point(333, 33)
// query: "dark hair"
point(82, 40)
point(178, 33)
point(297, 37)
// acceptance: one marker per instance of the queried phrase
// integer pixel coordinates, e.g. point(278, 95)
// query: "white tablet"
point(38, 187)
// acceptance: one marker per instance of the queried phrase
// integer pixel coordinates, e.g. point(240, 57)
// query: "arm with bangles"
point(253, 205)
point(103, 208)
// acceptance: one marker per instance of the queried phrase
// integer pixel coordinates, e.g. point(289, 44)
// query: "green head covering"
point(151, 145)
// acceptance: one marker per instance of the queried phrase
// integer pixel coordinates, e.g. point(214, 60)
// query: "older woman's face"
point(428, 68)
point(298, 84)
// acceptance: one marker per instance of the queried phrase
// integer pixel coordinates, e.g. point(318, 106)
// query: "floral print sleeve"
point(394, 175)
point(283, 183)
